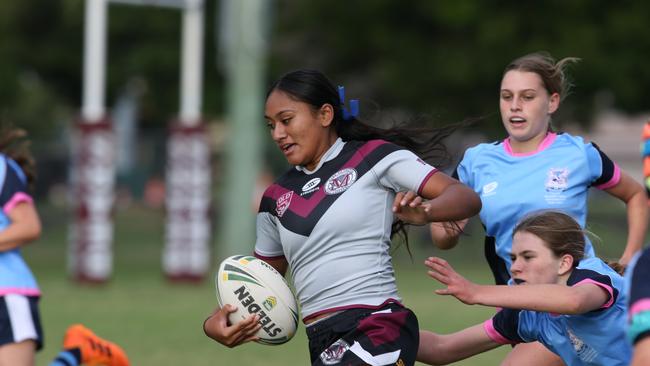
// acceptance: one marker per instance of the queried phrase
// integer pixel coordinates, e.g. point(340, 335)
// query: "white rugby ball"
point(255, 287)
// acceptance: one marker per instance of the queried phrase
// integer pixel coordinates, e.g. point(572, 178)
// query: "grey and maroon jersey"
point(333, 224)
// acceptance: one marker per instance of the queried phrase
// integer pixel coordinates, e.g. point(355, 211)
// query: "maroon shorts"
point(388, 335)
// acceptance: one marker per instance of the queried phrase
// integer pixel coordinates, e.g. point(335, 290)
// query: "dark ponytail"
point(315, 89)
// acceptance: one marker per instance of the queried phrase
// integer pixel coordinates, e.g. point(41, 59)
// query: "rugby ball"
point(255, 287)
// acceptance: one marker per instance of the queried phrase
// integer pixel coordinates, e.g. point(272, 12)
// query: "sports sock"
point(67, 357)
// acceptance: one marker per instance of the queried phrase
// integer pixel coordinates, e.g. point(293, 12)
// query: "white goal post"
point(186, 252)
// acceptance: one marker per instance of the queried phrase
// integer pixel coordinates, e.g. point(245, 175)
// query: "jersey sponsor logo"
point(334, 353)
point(340, 181)
point(489, 189)
point(557, 179)
point(282, 204)
point(310, 186)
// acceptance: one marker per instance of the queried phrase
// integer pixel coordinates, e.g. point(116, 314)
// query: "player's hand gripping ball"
point(255, 287)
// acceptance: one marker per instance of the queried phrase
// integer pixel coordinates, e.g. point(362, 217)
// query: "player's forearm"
point(443, 349)
point(641, 353)
point(14, 237)
point(637, 218)
point(457, 202)
point(445, 235)
point(24, 227)
point(546, 298)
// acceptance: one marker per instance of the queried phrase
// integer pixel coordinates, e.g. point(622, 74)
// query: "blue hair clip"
point(354, 106)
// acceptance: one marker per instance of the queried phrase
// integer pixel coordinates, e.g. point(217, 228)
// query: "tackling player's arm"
point(554, 298)
point(447, 199)
point(442, 349)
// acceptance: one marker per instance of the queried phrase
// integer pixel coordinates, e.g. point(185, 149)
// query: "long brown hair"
point(14, 144)
point(561, 233)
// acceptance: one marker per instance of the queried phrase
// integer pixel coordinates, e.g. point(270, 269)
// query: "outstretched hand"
point(411, 208)
point(217, 327)
point(457, 285)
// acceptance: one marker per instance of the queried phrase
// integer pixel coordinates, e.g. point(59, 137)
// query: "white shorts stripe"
point(388, 358)
point(22, 323)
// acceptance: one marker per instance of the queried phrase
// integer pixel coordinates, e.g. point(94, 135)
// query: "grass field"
point(159, 323)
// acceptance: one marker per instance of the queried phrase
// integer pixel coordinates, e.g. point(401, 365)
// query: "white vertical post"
point(90, 256)
point(93, 109)
point(186, 255)
point(192, 63)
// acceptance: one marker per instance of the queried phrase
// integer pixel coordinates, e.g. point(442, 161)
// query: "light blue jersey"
point(15, 275)
point(557, 176)
point(595, 338)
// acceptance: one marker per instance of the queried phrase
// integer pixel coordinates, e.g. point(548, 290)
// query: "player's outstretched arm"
point(217, 327)
point(555, 298)
point(442, 349)
point(444, 234)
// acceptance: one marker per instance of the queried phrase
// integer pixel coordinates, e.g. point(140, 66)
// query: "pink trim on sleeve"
point(16, 199)
point(639, 306)
point(604, 287)
point(612, 182)
point(426, 179)
point(494, 334)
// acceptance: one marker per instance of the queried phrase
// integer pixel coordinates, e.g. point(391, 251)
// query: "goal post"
point(90, 253)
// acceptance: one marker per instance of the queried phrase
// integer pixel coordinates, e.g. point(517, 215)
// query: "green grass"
point(159, 323)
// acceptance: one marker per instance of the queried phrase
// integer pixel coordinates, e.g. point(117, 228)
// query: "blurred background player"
point(574, 305)
point(535, 168)
point(332, 213)
point(21, 334)
point(20, 327)
point(638, 277)
point(645, 152)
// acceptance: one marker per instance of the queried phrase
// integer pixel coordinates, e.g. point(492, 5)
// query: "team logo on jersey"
point(557, 179)
point(340, 181)
point(310, 186)
point(282, 204)
point(585, 352)
point(489, 189)
point(334, 353)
